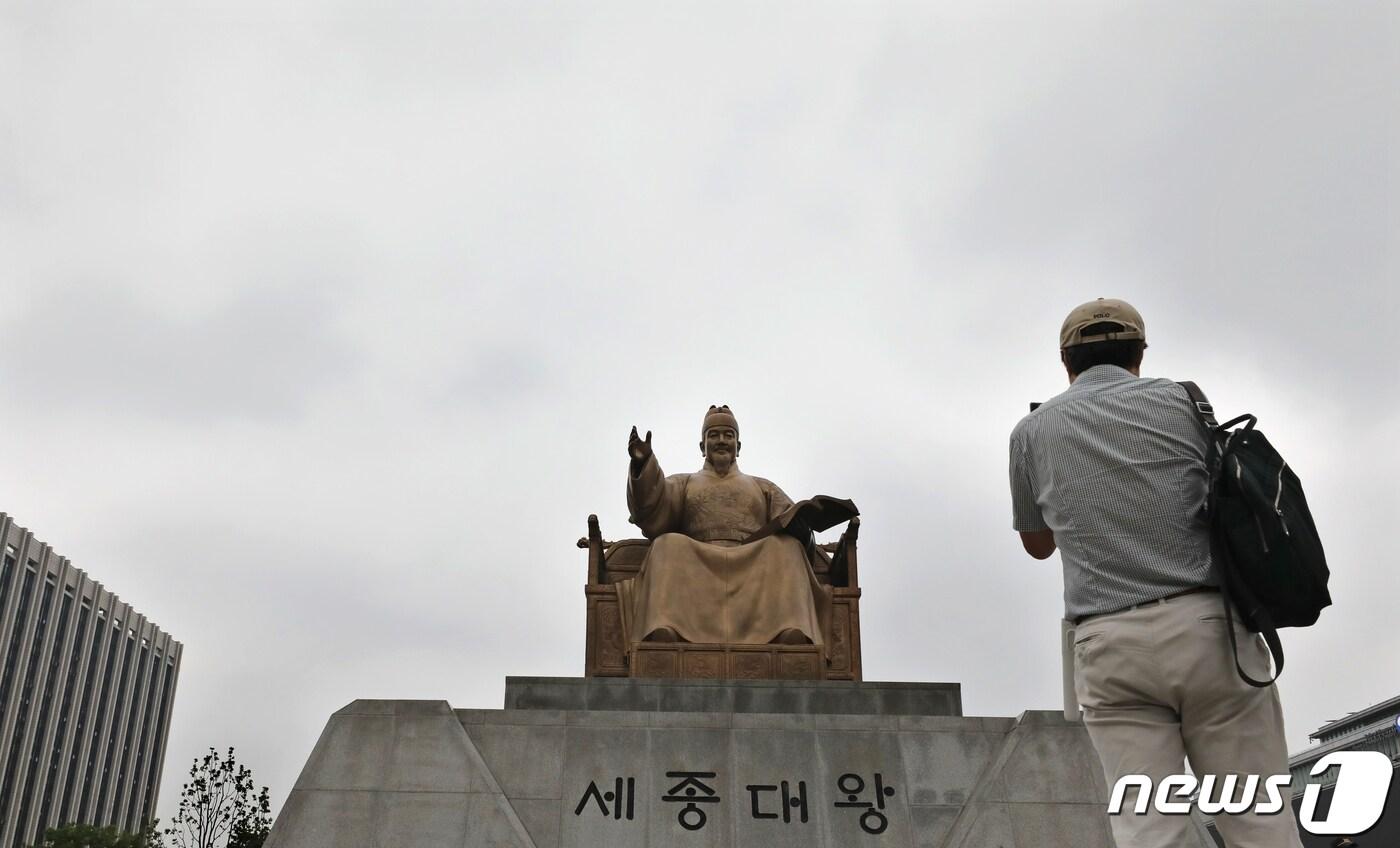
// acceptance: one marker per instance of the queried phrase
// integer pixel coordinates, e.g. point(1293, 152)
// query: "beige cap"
point(719, 416)
point(1097, 311)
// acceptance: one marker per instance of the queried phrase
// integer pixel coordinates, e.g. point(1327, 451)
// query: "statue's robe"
point(700, 579)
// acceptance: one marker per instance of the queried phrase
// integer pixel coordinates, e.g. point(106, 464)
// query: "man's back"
point(1115, 466)
point(1112, 473)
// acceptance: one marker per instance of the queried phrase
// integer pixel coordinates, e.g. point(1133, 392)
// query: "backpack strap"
point(1266, 629)
point(1205, 415)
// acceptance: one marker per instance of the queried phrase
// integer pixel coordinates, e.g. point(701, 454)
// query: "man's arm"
point(1038, 543)
point(1037, 538)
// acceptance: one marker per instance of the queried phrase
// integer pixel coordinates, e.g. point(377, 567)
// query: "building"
point(86, 690)
point(1376, 728)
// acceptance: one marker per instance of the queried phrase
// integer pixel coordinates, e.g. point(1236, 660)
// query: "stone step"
point(801, 697)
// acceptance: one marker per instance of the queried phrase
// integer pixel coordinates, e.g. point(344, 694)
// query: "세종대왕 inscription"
point(782, 800)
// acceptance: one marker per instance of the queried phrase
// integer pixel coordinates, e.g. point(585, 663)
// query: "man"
point(1112, 473)
point(706, 578)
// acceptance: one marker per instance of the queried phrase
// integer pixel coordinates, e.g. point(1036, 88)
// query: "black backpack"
point(1271, 564)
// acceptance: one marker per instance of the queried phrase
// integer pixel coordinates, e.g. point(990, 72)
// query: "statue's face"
point(721, 445)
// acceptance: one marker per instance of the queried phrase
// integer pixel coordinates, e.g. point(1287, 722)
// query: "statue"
point(730, 555)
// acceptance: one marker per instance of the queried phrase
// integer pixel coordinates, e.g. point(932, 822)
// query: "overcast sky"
point(322, 325)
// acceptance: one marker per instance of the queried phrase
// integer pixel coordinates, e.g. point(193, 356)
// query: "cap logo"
point(1102, 320)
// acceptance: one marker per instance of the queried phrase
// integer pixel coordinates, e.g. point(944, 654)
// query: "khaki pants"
point(1158, 685)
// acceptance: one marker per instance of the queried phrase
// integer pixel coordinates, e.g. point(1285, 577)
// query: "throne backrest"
point(622, 560)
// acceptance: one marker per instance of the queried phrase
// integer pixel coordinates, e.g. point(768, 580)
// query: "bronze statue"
point(729, 560)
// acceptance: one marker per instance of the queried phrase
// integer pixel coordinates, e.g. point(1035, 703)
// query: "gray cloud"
point(324, 324)
point(499, 375)
point(101, 350)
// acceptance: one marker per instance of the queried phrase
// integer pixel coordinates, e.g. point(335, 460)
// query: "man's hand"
point(639, 449)
point(1038, 543)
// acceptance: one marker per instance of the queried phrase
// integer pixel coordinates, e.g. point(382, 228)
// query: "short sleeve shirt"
point(1115, 466)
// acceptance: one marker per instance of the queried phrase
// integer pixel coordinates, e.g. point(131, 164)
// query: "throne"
point(606, 654)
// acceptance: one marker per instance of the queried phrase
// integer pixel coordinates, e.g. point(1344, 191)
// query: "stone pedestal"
point(624, 763)
point(685, 660)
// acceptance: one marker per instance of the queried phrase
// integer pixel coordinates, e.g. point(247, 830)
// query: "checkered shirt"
point(1115, 466)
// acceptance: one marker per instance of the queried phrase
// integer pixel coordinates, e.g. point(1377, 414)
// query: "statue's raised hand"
point(638, 448)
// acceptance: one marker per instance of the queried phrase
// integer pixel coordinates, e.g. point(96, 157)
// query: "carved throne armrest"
point(610, 562)
point(843, 569)
point(597, 561)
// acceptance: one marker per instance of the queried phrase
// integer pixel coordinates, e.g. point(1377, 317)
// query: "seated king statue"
point(730, 556)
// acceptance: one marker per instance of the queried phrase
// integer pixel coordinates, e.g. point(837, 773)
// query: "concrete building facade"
point(1375, 728)
point(87, 685)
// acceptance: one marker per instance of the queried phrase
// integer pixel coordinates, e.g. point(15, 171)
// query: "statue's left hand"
point(637, 448)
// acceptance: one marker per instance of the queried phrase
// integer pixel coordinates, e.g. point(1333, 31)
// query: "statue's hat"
point(719, 416)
